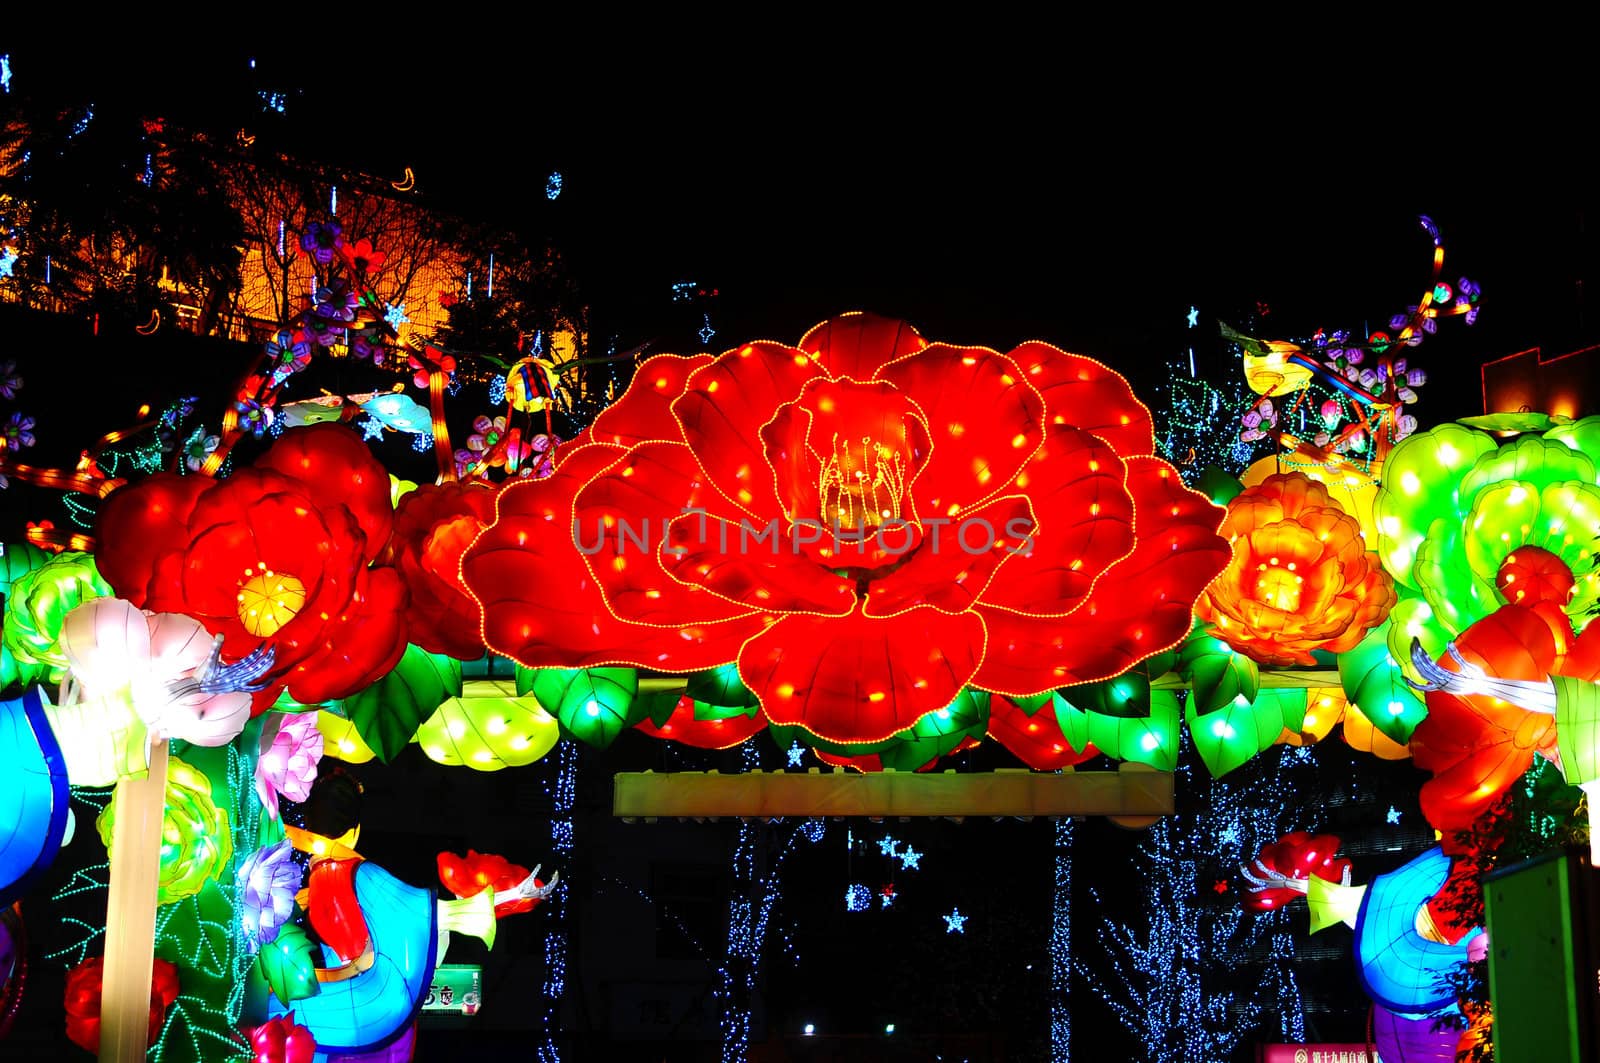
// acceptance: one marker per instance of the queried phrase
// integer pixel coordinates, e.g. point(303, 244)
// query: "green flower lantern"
point(39, 600)
point(196, 842)
point(1466, 524)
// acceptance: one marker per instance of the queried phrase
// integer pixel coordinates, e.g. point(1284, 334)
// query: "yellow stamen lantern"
point(268, 600)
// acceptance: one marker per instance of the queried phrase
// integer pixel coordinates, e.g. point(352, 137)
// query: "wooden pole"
point(131, 913)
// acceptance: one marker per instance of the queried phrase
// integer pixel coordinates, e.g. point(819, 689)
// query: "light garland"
point(1061, 946)
point(562, 789)
point(1159, 961)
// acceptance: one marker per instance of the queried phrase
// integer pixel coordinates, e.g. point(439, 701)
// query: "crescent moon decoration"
point(407, 183)
point(149, 326)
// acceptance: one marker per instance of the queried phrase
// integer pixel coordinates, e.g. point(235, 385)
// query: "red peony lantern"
point(85, 984)
point(866, 523)
point(433, 526)
point(1301, 576)
point(278, 553)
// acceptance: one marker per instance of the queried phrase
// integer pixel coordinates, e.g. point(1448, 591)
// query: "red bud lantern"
point(85, 983)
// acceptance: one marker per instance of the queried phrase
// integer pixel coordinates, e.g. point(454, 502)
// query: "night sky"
point(987, 199)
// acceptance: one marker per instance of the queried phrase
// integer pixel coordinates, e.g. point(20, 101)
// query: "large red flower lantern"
point(1301, 578)
point(277, 554)
point(865, 523)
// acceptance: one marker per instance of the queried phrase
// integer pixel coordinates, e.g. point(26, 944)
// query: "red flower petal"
point(360, 645)
point(1085, 525)
point(433, 526)
point(723, 409)
point(644, 411)
point(1035, 740)
point(337, 469)
point(251, 519)
point(1082, 393)
point(954, 563)
point(857, 345)
point(859, 679)
point(984, 418)
point(139, 524)
point(540, 604)
point(620, 518)
point(1141, 605)
point(757, 567)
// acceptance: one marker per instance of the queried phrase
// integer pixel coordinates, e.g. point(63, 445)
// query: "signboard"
point(1317, 1054)
point(457, 987)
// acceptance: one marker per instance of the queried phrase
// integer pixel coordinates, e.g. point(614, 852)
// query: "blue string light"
point(857, 898)
point(563, 791)
point(1159, 968)
point(1061, 946)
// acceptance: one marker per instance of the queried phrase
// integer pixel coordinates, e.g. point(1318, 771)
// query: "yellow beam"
point(648, 795)
point(1270, 678)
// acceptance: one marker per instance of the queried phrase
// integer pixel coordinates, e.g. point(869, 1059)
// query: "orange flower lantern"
point(1301, 578)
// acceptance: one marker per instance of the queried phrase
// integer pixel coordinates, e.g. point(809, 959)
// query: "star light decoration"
point(8, 261)
point(955, 922)
point(886, 895)
point(706, 331)
point(395, 314)
point(371, 428)
point(888, 846)
point(1193, 317)
point(1393, 815)
point(910, 859)
point(796, 753)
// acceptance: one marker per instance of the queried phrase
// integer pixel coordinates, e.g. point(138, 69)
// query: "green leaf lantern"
point(488, 733)
point(721, 686)
point(1151, 739)
point(288, 963)
point(1032, 703)
point(1374, 682)
point(593, 705)
point(1578, 728)
point(1217, 676)
point(1229, 736)
point(939, 732)
point(388, 713)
